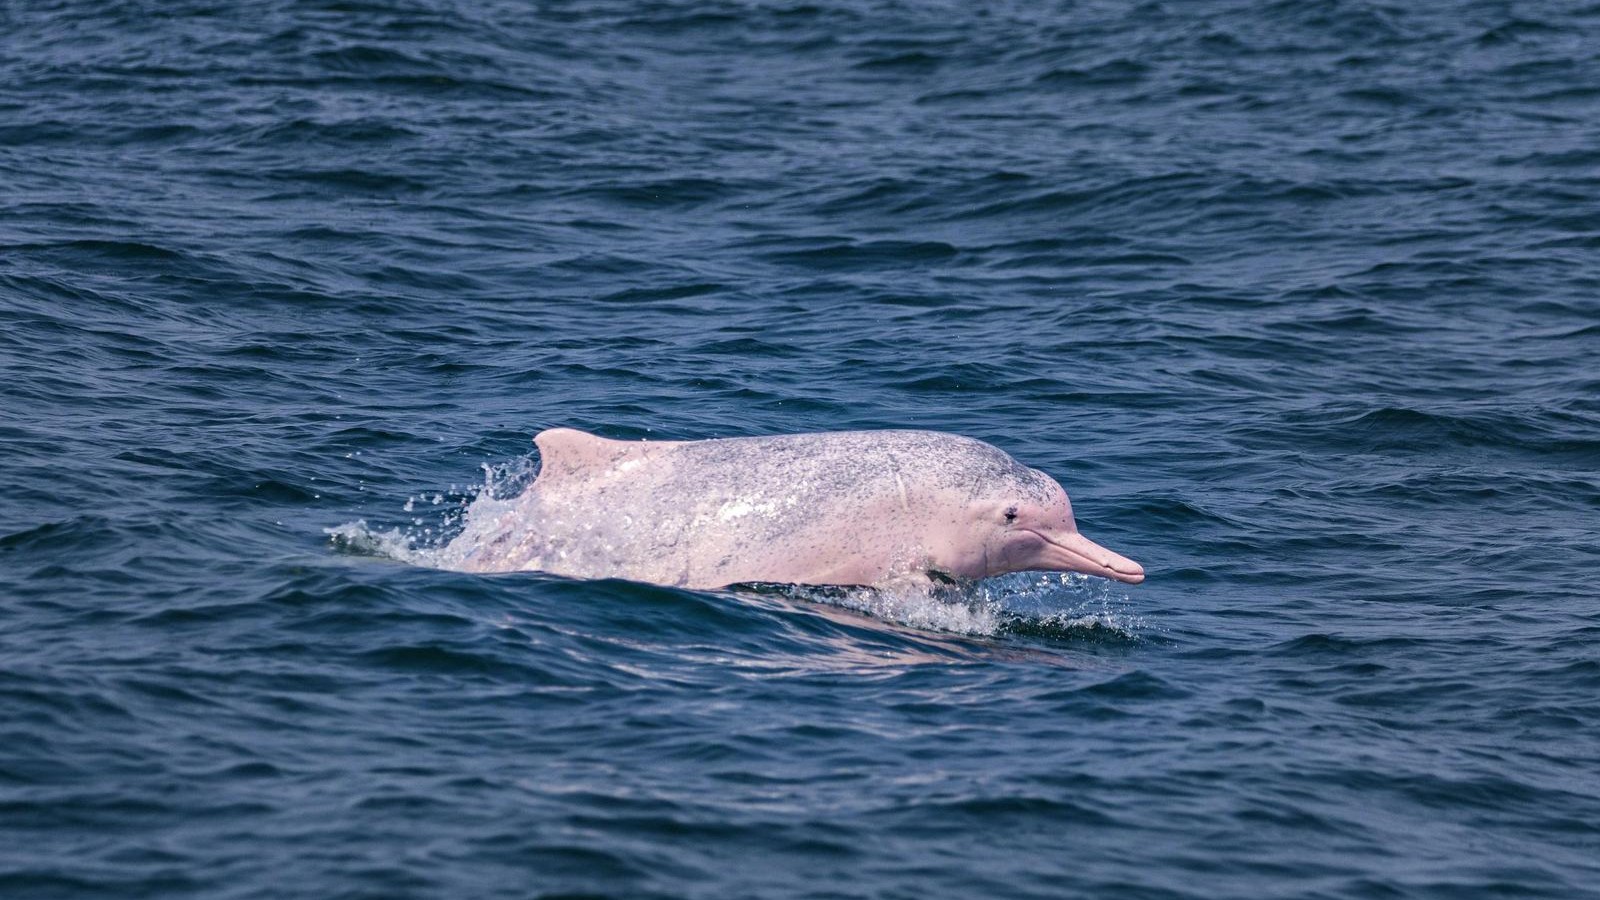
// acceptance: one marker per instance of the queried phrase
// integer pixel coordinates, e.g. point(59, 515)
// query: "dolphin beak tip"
point(1079, 554)
point(1125, 570)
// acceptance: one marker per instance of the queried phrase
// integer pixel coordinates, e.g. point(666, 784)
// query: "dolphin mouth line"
point(1091, 566)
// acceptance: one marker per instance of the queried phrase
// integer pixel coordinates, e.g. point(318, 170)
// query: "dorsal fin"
point(566, 453)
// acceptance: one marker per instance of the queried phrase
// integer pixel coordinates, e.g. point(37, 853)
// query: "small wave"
point(1048, 606)
point(360, 539)
point(939, 608)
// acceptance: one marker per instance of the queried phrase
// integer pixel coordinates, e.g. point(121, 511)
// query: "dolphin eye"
point(1011, 514)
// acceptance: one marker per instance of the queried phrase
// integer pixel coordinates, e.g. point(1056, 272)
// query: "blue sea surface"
point(1300, 299)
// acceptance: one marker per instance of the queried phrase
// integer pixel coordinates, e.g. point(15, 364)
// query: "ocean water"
point(1300, 300)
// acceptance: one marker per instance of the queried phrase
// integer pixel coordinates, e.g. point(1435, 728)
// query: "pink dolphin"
point(838, 508)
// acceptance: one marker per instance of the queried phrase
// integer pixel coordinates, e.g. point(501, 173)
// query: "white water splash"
point(1037, 603)
point(918, 606)
point(1066, 603)
point(430, 538)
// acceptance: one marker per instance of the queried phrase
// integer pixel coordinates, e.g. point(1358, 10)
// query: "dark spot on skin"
point(1011, 514)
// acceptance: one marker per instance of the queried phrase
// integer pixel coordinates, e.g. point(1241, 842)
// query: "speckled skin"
point(841, 508)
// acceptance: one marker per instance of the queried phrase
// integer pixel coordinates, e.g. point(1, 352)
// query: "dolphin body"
point(833, 508)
